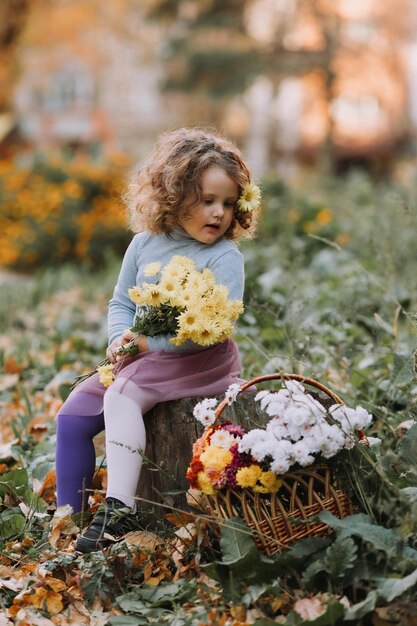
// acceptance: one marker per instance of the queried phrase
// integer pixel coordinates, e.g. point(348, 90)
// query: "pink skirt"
point(169, 375)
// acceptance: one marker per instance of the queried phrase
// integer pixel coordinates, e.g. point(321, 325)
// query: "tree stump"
point(171, 431)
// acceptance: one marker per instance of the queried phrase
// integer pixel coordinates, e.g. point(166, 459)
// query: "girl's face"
point(212, 216)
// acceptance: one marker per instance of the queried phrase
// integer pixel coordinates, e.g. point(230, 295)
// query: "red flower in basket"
point(301, 429)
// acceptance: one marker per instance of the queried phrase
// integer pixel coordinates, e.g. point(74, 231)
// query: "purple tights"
point(76, 457)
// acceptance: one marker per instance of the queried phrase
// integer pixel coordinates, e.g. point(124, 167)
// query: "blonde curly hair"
point(162, 192)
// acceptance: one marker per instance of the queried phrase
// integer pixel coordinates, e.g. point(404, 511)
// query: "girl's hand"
point(127, 336)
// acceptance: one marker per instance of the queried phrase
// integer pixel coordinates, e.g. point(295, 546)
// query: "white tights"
point(125, 439)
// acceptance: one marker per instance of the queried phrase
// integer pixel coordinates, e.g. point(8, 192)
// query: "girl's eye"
point(208, 201)
point(230, 204)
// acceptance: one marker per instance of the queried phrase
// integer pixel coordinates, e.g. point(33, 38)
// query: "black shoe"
point(109, 525)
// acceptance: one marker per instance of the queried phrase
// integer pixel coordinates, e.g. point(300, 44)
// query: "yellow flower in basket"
point(244, 473)
point(248, 476)
point(216, 457)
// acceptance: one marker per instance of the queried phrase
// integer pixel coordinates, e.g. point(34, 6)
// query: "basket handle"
point(302, 379)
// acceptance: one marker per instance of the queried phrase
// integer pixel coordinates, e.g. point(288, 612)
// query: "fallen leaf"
point(143, 539)
point(6, 450)
point(11, 366)
point(7, 381)
point(26, 616)
point(13, 584)
point(62, 525)
point(46, 598)
point(180, 519)
point(48, 487)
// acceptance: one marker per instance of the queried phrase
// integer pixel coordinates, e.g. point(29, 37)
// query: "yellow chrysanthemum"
point(152, 269)
point(235, 309)
point(137, 295)
point(183, 261)
point(250, 198)
point(195, 284)
point(248, 476)
point(178, 267)
point(270, 481)
point(204, 484)
point(153, 295)
point(189, 321)
point(170, 288)
point(216, 457)
point(180, 338)
point(188, 298)
point(207, 335)
point(208, 277)
point(260, 489)
point(225, 331)
point(105, 374)
point(220, 293)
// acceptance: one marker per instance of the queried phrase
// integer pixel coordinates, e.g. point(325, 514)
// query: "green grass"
point(336, 303)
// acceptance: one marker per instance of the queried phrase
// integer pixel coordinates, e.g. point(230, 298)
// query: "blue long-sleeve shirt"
point(222, 258)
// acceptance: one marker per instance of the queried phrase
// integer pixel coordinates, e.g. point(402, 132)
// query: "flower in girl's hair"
point(152, 269)
point(105, 374)
point(250, 198)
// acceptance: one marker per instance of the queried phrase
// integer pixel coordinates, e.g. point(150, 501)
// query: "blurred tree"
point(13, 14)
point(217, 48)
point(210, 46)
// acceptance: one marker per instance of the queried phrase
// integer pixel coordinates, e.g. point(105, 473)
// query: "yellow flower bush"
point(56, 211)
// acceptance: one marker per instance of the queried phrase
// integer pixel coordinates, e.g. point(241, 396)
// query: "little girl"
point(187, 200)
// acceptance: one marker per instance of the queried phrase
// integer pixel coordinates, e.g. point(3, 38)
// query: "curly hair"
point(162, 192)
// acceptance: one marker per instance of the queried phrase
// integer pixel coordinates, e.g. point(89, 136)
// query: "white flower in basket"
point(256, 472)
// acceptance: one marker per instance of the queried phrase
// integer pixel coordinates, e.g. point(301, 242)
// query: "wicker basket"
point(280, 518)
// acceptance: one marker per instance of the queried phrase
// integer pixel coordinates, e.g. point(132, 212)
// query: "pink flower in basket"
point(300, 430)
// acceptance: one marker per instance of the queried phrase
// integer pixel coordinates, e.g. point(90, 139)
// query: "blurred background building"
point(322, 82)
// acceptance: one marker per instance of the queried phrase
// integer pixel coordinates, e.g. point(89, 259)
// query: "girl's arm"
point(121, 311)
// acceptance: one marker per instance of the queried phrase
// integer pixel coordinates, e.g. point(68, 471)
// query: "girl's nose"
point(218, 209)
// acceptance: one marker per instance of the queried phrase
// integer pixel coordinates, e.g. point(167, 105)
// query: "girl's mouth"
point(215, 226)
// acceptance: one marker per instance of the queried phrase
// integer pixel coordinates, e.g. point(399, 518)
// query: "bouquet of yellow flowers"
point(179, 300)
point(185, 302)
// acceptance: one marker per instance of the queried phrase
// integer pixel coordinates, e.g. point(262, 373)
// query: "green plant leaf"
point(13, 482)
point(402, 373)
point(359, 610)
point(127, 620)
point(340, 556)
point(359, 525)
point(12, 523)
point(407, 449)
point(390, 588)
point(64, 391)
point(235, 541)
